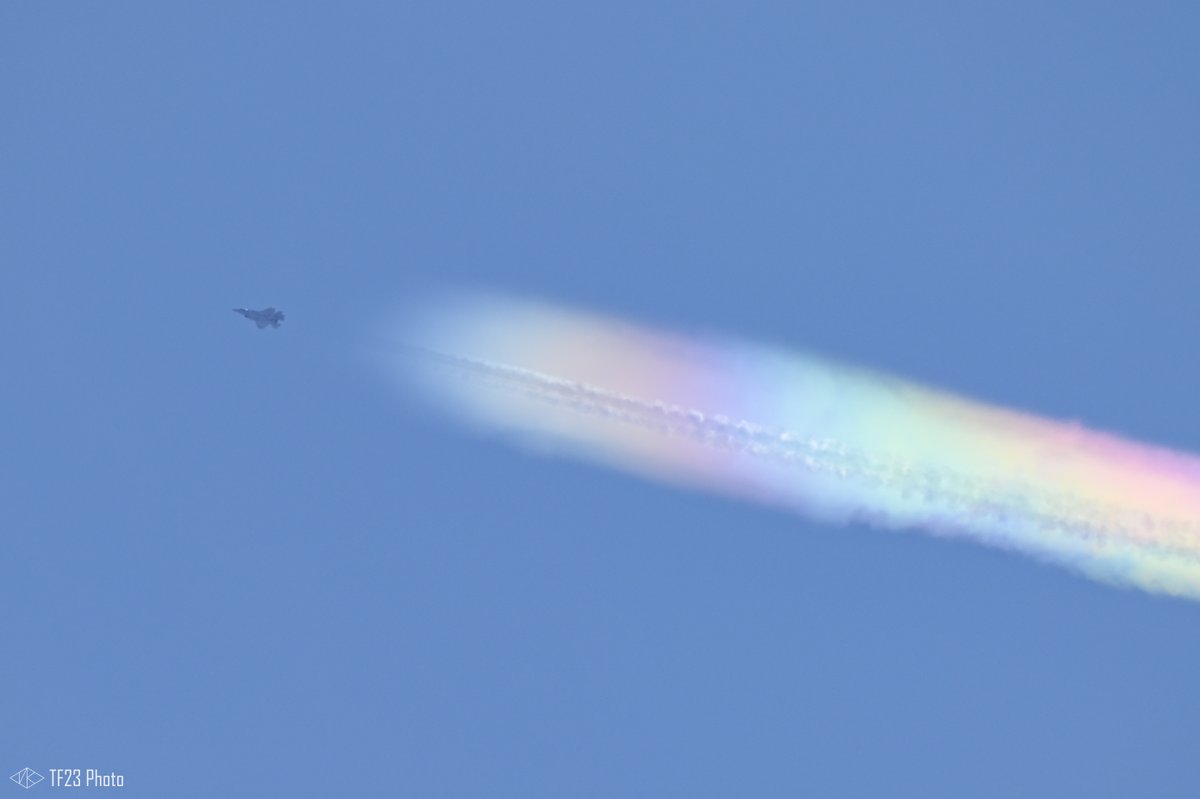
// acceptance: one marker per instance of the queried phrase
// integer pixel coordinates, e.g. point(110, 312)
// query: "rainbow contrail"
point(836, 442)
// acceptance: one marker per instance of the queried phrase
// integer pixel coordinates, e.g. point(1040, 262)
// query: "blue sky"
point(238, 563)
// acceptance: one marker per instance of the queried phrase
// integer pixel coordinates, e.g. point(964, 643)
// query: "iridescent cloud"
point(835, 442)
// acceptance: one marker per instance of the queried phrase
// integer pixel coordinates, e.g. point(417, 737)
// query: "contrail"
point(835, 442)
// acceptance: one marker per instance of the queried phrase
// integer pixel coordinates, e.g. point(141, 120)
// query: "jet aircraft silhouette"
point(264, 318)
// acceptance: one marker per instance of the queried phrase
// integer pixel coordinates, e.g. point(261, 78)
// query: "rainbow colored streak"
point(836, 442)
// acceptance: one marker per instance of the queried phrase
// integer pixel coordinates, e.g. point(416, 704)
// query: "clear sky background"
point(236, 563)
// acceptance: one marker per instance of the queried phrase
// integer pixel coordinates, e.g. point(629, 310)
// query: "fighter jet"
point(264, 318)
